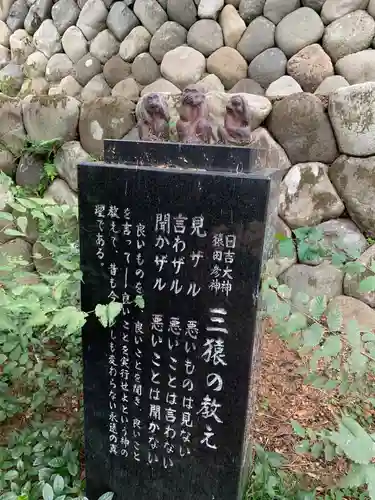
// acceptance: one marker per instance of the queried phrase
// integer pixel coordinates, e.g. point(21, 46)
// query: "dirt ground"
point(283, 397)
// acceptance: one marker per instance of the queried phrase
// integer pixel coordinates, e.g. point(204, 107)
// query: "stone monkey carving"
point(236, 129)
point(153, 118)
point(193, 125)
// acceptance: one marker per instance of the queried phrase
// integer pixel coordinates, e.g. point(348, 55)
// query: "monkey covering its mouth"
point(193, 125)
point(236, 129)
point(153, 123)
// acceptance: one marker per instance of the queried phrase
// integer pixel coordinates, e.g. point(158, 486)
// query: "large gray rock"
point(184, 12)
point(245, 86)
point(339, 236)
point(269, 153)
point(275, 10)
point(4, 34)
point(86, 68)
point(64, 14)
point(259, 36)
point(145, 69)
point(21, 46)
point(351, 33)
point(352, 309)
point(353, 179)
point(205, 36)
point(95, 88)
point(330, 84)
point(232, 24)
point(35, 65)
point(92, 18)
point(211, 83)
point(17, 14)
point(352, 113)
point(12, 77)
point(313, 4)
point(35, 86)
point(108, 117)
point(127, 88)
point(47, 118)
point(161, 85)
point(307, 196)
point(7, 165)
point(352, 281)
point(47, 39)
point(4, 9)
point(38, 12)
point(334, 9)
point(16, 249)
point(268, 66)
point(209, 9)
point(30, 170)
point(309, 135)
point(183, 66)
point(135, 43)
point(60, 193)
point(121, 20)
point(168, 37)
point(4, 56)
point(74, 43)
point(150, 13)
point(358, 67)
point(371, 8)
point(58, 67)
point(279, 263)
point(67, 86)
point(12, 132)
point(324, 279)
point(297, 30)
point(282, 87)
point(104, 46)
point(228, 65)
point(250, 9)
point(67, 159)
point(310, 66)
point(115, 70)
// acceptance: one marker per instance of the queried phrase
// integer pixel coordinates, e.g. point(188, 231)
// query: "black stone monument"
point(166, 389)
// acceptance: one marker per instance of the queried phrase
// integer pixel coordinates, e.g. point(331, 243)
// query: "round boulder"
point(349, 34)
point(285, 85)
point(269, 66)
point(275, 10)
point(353, 179)
point(183, 66)
point(297, 30)
point(334, 9)
point(308, 136)
point(145, 69)
point(358, 67)
point(232, 25)
point(115, 70)
point(168, 37)
point(205, 36)
point(228, 65)
point(106, 117)
point(259, 36)
point(330, 84)
point(135, 43)
point(310, 66)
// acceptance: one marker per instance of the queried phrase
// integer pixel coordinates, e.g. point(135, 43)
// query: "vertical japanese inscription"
point(154, 414)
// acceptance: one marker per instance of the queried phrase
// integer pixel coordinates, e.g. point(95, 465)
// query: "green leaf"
point(101, 314)
point(303, 446)
point(22, 223)
point(367, 284)
point(58, 484)
point(300, 431)
point(139, 301)
point(13, 232)
point(56, 462)
point(297, 321)
point(106, 496)
point(114, 309)
point(353, 333)
point(332, 346)
point(354, 441)
point(317, 306)
point(6, 216)
point(72, 468)
point(370, 480)
point(9, 496)
point(286, 248)
point(334, 320)
point(358, 362)
point(313, 335)
point(47, 492)
point(329, 452)
point(317, 449)
point(11, 475)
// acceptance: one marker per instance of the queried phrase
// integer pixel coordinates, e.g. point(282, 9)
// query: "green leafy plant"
point(339, 355)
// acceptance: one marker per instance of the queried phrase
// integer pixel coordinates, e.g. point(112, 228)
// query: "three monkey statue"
point(193, 125)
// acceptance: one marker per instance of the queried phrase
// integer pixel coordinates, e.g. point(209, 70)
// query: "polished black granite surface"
point(167, 387)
